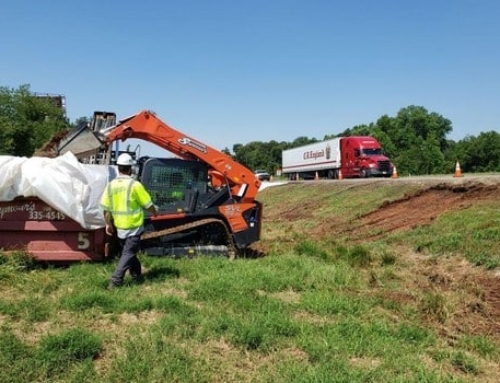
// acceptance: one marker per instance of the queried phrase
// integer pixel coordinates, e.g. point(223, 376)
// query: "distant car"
point(262, 175)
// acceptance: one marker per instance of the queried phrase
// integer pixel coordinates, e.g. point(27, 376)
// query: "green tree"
point(301, 141)
point(27, 121)
point(415, 140)
point(260, 155)
point(416, 121)
point(433, 161)
point(358, 130)
point(481, 153)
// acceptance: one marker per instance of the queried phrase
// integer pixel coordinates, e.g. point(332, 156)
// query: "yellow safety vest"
point(125, 198)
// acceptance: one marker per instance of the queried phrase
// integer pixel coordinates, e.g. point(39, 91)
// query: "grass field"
point(321, 305)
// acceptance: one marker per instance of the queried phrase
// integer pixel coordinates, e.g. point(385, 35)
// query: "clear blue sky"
point(230, 71)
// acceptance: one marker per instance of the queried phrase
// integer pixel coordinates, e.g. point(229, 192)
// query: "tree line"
point(415, 139)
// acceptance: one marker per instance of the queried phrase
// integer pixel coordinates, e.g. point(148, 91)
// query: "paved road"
point(482, 178)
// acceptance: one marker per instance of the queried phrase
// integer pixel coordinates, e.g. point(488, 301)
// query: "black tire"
point(364, 173)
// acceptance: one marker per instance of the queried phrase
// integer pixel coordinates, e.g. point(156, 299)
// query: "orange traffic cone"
point(316, 177)
point(458, 171)
point(394, 172)
point(296, 176)
point(340, 175)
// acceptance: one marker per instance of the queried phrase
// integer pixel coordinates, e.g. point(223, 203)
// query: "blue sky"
point(227, 72)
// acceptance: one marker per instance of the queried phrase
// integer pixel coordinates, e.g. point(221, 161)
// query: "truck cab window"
point(372, 152)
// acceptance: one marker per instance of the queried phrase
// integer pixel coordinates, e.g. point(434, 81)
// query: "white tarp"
point(63, 182)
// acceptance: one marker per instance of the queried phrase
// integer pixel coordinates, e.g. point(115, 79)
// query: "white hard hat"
point(125, 159)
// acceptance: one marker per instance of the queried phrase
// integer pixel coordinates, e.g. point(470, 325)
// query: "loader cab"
point(175, 185)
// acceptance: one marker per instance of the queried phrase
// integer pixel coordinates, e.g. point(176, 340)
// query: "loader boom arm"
point(147, 126)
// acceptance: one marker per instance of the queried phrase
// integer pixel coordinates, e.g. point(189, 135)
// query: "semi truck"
point(349, 157)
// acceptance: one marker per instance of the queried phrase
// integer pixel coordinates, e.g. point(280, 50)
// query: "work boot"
point(138, 276)
point(138, 279)
point(112, 286)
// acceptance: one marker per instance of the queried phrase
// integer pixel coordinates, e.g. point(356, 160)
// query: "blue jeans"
point(128, 260)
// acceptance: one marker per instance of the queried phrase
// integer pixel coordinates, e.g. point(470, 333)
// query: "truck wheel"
point(331, 174)
point(363, 173)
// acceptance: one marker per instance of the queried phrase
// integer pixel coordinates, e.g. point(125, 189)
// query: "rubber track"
point(201, 222)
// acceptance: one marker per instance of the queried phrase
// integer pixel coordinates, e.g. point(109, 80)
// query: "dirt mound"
point(425, 206)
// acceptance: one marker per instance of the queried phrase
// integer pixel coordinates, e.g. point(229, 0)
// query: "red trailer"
point(29, 224)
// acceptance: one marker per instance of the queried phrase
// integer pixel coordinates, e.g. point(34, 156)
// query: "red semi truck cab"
point(363, 157)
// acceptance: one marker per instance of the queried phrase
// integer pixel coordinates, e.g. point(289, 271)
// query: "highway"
point(485, 178)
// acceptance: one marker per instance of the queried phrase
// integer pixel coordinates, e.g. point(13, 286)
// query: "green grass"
point(310, 311)
point(473, 232)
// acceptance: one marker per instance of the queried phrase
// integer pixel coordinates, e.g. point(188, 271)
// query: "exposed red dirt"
point(422, 208)
point(477, 309)
point(404, 214)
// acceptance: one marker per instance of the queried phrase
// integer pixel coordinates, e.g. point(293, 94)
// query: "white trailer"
point(315, 157)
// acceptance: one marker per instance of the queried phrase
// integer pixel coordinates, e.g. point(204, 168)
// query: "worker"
point(123, 202)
